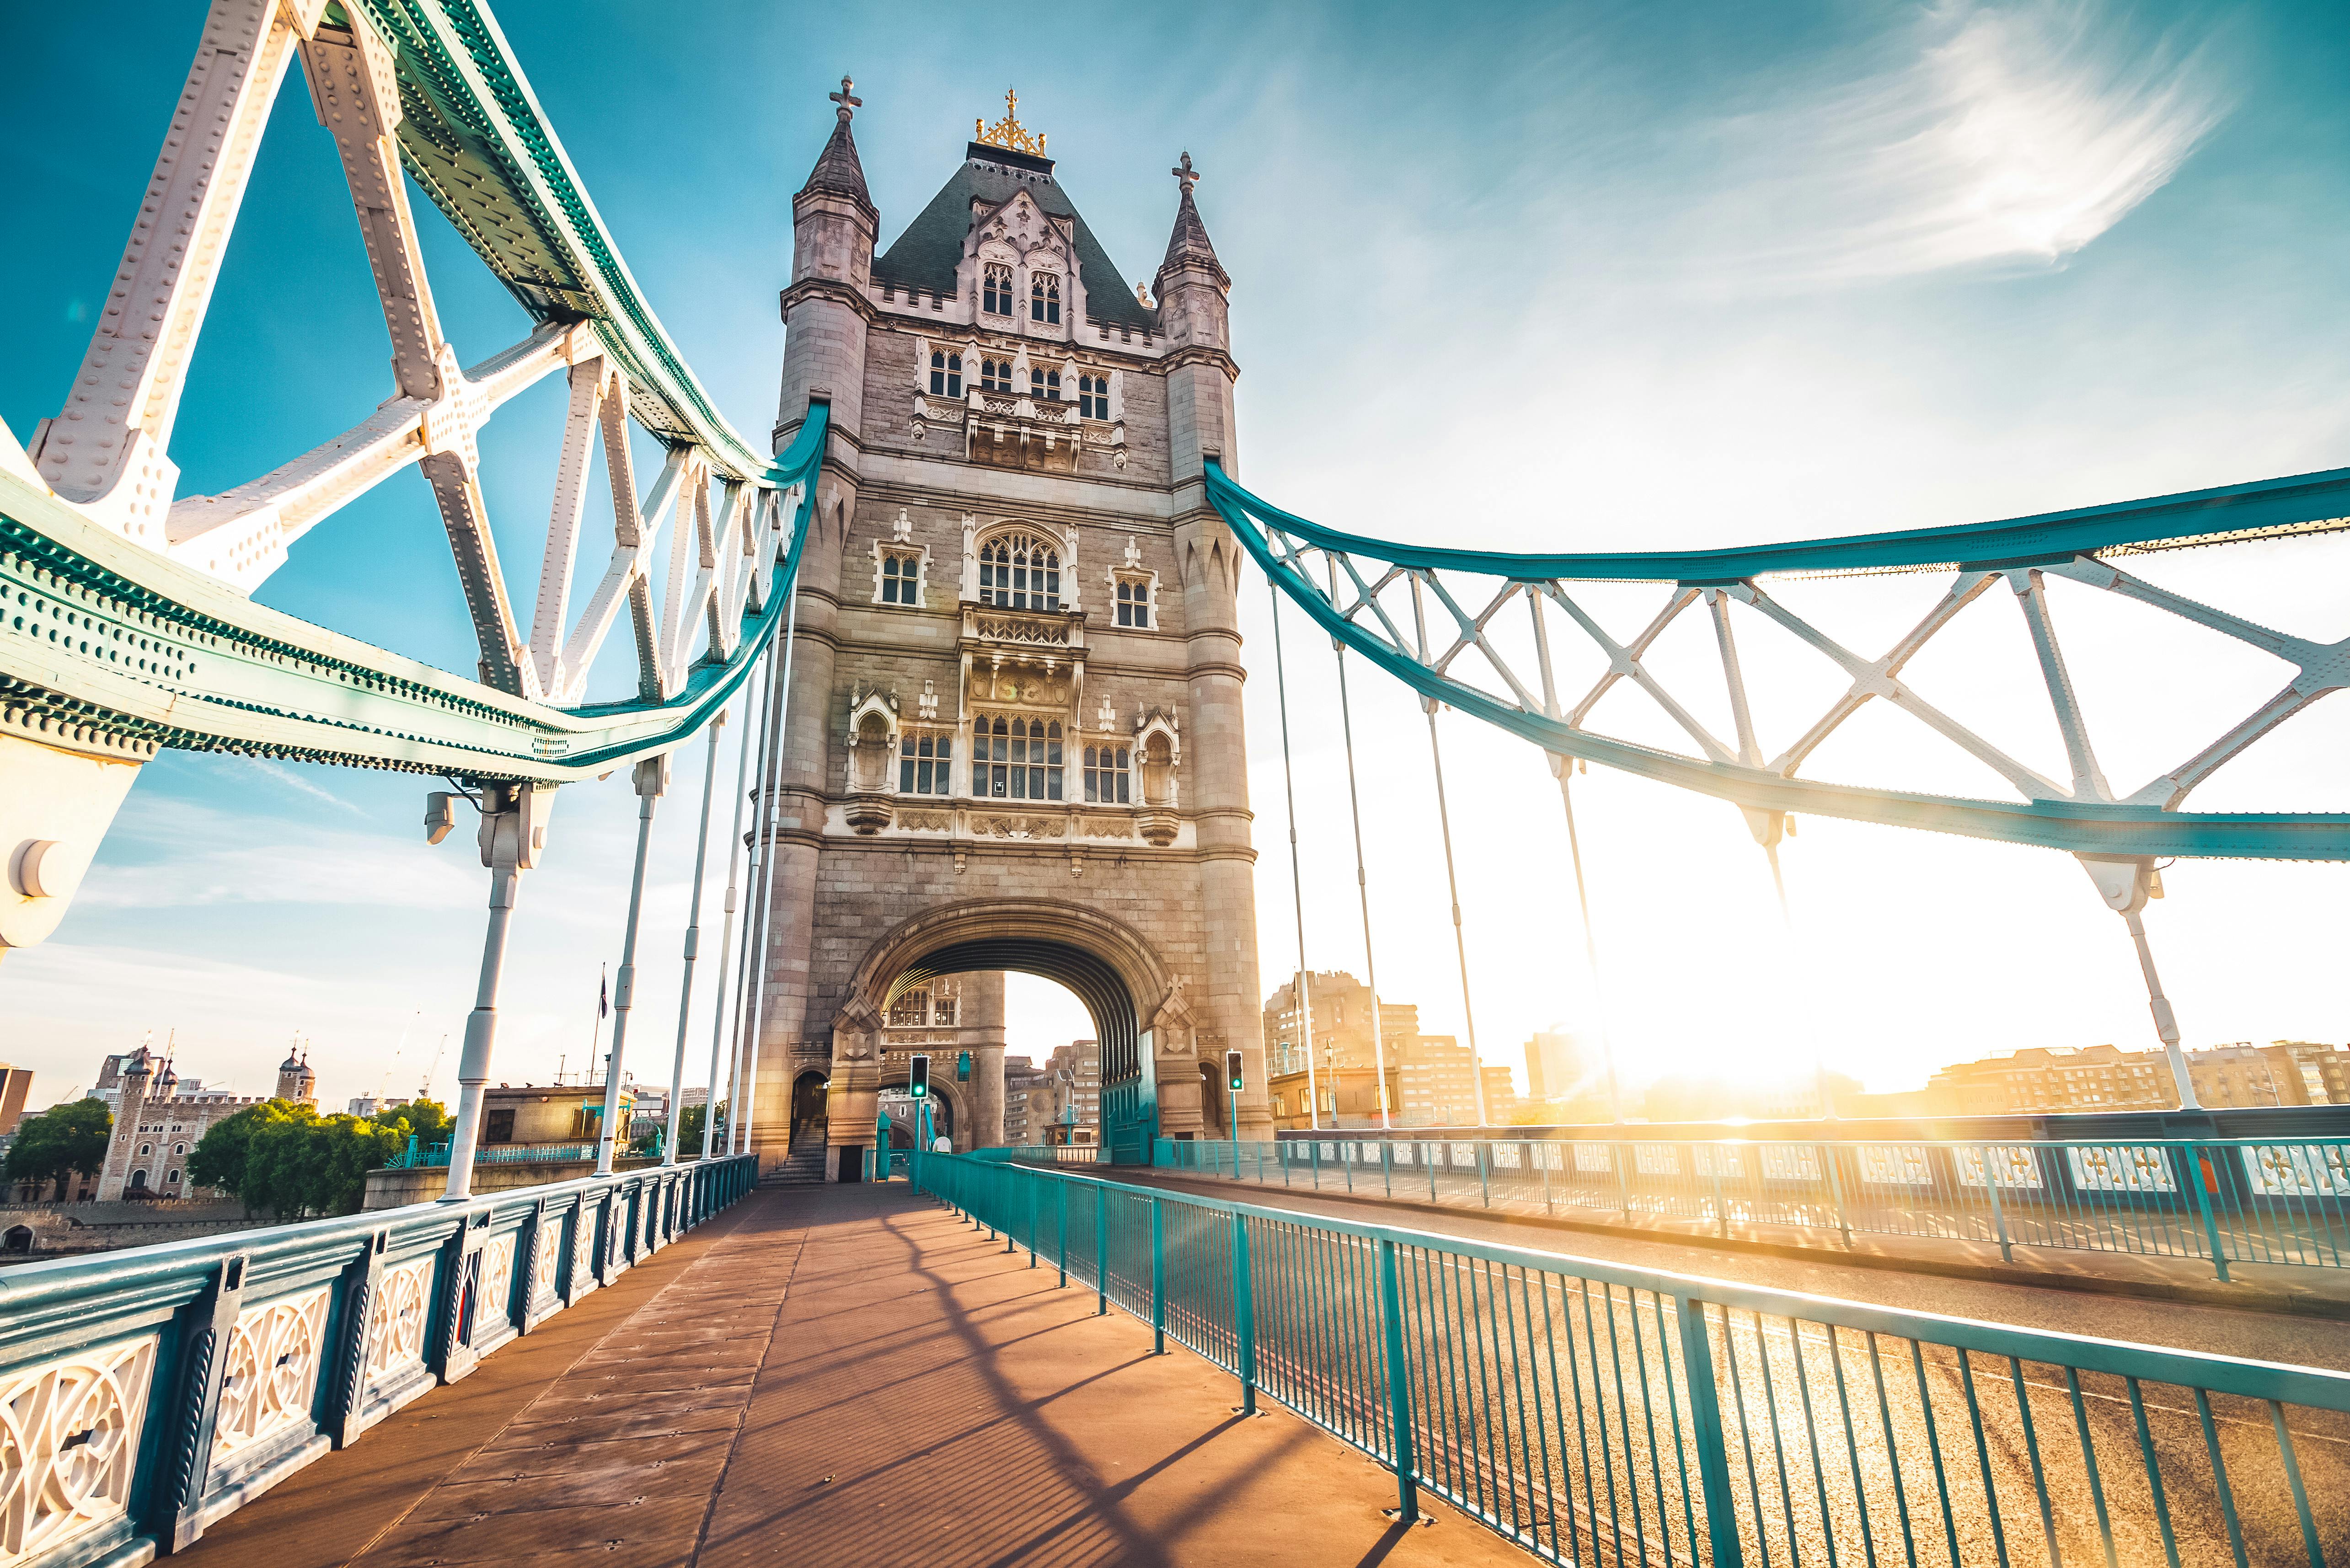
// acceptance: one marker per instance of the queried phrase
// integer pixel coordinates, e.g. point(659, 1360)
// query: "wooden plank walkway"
point(837, 1374)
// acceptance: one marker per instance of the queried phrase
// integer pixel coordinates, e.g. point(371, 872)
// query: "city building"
point(1018, 640)
point(2094, 1078)
point(1436, 1085)
point(16, 1085)
point(159, 1118)
point(556, 1113)
point(374, 1105)
point(1025, 1109)
point(1071, 1095)
point(1561, 1065)
point(1500, 1094)
point(1347, 1053)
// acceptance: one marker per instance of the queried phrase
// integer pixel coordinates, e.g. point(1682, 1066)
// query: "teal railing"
point(2243, 1201)
point(416, 1157)
point(1597, 1414)
point(168, 1386)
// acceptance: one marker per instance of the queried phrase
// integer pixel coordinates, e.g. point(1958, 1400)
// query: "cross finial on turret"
point(847, 97)
point(1186, 174)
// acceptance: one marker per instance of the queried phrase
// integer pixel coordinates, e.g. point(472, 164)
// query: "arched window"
point(913, 1009)
point(138, 1181)
point(1019, 571)
point(171, 1178)
point(1134, 601)
point(995, 290)
point(146, 1149)
point(178, 1148)
point(923, 763)
point(1093, 397)
point(1016, 759)
point(901, 577)
point(946, 374)
point(1106, 775)
point(1045, 297)
point(995, 375)
point(1044, 384)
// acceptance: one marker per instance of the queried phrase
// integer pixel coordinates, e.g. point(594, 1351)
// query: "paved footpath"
point(837, 1374)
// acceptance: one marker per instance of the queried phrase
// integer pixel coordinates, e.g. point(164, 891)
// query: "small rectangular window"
point(1134, 602)
point(501, 1128)
point(924, 762)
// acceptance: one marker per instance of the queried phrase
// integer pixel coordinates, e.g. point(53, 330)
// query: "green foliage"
point(689, 1130)
point(286, 1160)
point(428, 1121)
point(60, 1142)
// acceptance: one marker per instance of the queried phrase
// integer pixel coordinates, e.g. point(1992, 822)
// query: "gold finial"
point(1008, 132)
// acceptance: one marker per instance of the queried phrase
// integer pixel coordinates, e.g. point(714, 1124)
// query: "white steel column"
point(692, 947)
point(2125, 886)
point(746, 984)
point(651, 778)
point(726, 933)
point(512, 836)
point(771, 794)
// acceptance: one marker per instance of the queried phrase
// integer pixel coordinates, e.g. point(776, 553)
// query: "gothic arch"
point(1107, 964)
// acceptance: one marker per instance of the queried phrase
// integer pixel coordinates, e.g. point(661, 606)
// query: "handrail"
point(1554, 1397)
point(355, 1315)
point(2271, 1200)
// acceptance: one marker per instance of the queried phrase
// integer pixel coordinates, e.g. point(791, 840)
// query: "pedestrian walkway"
point(837, 1374)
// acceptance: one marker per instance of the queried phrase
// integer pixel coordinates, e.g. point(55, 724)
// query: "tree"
point(286, 1158)
point(427, 1121)
point(62, 1141)
point(219, 1159)
point(690, 1126)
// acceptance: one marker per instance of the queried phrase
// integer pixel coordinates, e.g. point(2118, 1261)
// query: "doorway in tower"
point(807, 1105)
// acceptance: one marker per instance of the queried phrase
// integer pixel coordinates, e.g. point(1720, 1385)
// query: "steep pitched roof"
point(926, 255)
point(837, 168)
point(1188, 246)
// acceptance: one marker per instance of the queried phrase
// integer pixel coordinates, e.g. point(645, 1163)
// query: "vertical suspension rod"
point(1362, 880)
point(650, 775)
point(726, 932)
point(693, 949)
point(1451, 878)
point(1305, 988)
point(769, 808)
point(745, 982)
point(1574, 852)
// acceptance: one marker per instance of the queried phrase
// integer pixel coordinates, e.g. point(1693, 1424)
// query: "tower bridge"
point(973, 632)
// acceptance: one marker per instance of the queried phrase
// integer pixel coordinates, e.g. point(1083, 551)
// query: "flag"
point(603, 994)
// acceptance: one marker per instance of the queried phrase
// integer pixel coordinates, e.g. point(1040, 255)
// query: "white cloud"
point(1998, 136)
point(172, 852)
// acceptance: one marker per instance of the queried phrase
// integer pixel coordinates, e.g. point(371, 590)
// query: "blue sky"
point(1504, 275)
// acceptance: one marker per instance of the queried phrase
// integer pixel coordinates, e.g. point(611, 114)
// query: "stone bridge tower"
point(1016, 739)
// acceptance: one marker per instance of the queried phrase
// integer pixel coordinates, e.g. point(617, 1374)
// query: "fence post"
point(1428, 1151)
point(2192, 1171)
point(1157, 1284)
point(1705, 1429)
point(1616, 1153)
point(1061, 1228)
point(1387, 1166)
point(1721, 1206)
point(1398, 1388)
point(1548, 1207)
point(1101, 1250)
point(1244, 1314)
point(1998, 1215)
point(1835, 1187)
point(1484, 1173)
point(1317, 1150)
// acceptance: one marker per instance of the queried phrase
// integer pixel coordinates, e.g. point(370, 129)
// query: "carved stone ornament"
point(926, 821)
point(1019, 826)
point(1105, 827)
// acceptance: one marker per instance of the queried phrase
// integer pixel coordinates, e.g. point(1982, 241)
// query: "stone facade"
point(156, 1127)
point(1012, 549)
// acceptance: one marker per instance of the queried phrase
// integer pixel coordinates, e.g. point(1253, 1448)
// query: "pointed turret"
point(1189, 247)
point(838, 172)
point(834, 225)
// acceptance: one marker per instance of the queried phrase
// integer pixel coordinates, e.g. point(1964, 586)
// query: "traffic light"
point(917, 1076)
point(1232, 1069)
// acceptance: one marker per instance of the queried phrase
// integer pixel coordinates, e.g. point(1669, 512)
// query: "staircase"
point(805, 1166)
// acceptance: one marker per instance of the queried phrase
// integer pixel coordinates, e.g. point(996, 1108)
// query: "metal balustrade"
point(148, 1393)
point(1598, 1414)
point(2244, 1201)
